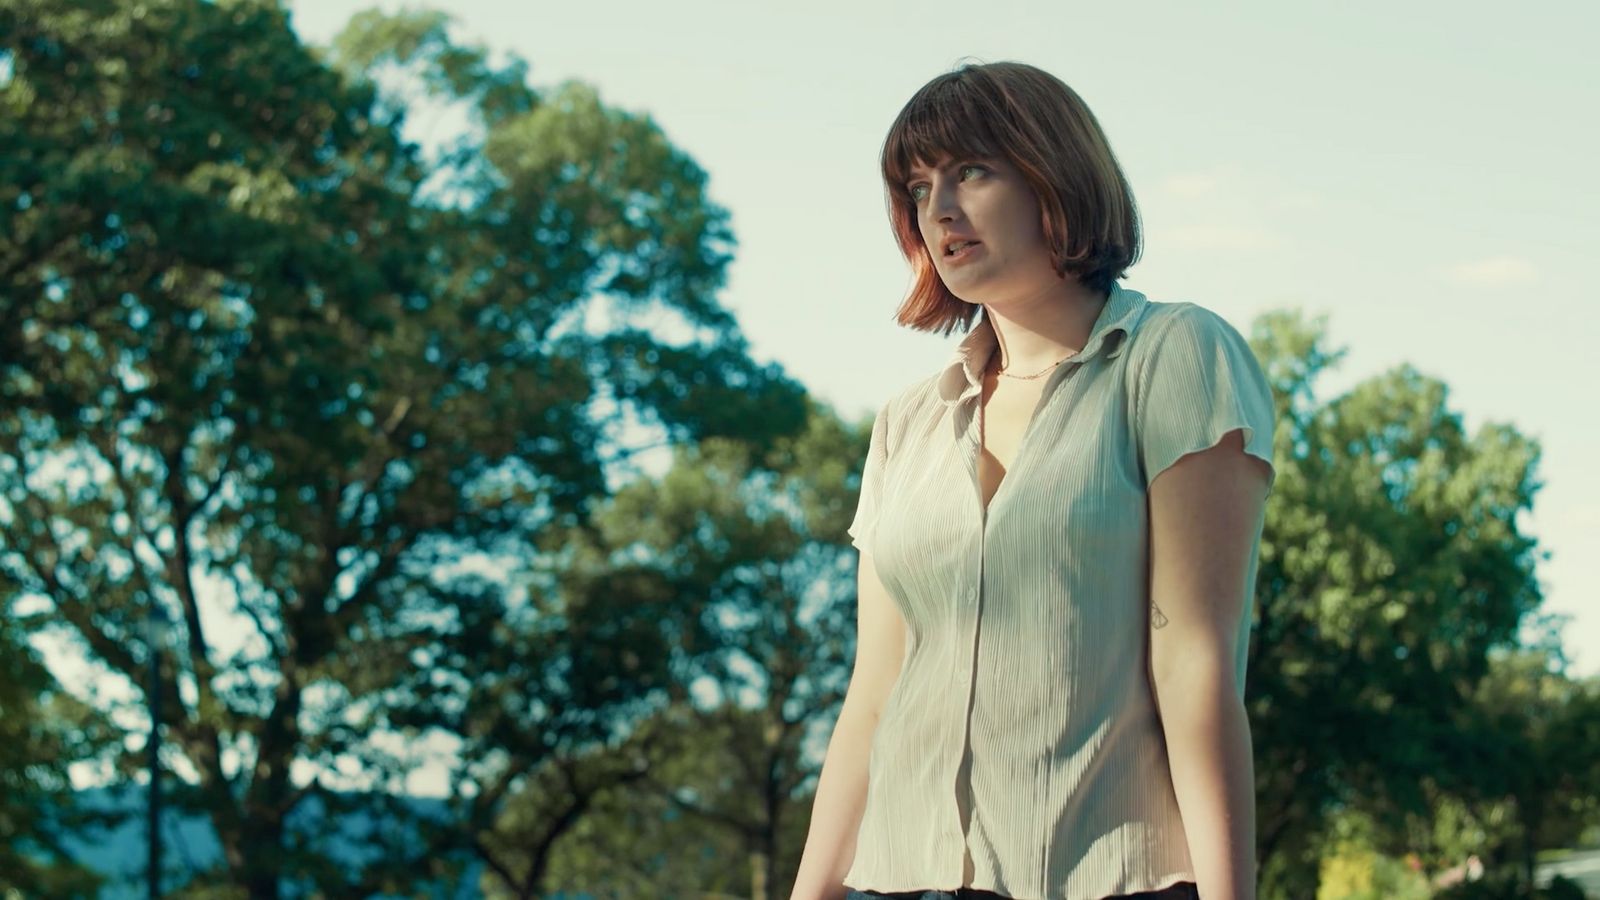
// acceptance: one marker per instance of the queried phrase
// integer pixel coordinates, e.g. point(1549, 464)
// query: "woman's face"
point(988, 200)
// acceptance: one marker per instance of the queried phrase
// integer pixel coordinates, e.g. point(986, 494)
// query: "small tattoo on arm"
point(1158, 619)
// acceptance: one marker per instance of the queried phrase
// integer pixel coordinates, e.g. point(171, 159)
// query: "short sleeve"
point(872, 473)
point(1199, 381)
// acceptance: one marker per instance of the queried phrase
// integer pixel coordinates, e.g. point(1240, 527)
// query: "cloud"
point(1493, 271)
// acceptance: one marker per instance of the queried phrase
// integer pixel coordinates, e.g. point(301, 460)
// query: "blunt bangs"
point(944, 121)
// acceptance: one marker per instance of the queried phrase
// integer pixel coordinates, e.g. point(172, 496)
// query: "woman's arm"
point(1206, 513)
point(841, 796)
point(837, 807)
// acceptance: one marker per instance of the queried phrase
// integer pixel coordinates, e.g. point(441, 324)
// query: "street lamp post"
point(155, 639)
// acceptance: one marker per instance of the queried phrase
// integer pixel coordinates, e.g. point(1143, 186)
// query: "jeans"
point(1183, 890)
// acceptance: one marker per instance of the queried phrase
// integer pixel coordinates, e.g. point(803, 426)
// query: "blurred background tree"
point(759, 549)
point(44, 730)
point(1391, 566)
point(1529, 744)
point(254, 374)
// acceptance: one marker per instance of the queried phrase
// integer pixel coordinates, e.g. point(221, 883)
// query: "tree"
point(727, 576)
point(255, 374)
point(1527, 745)
point(690, 840)
point(1391, 566)
point(43, 731)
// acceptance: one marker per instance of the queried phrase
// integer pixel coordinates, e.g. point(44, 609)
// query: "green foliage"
point(1355, 867)
point(699, 830)
point(629, 842)
point(43, 731)
point(1391, 565)
point(256, 375)
point(419, 40)
point(740, 555)
point(1527, 741)
point(1359, 873)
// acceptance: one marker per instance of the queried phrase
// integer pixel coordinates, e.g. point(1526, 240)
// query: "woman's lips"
point(964, 253)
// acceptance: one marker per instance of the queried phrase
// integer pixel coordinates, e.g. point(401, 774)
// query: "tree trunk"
point(760, 863)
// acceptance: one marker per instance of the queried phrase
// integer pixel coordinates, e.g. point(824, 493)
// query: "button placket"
point(971, 612)
point(963, 673)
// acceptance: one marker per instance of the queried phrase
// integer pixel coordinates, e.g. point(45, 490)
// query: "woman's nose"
point(943, 203)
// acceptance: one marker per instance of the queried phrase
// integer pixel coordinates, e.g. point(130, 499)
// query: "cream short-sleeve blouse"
point(1021, 742)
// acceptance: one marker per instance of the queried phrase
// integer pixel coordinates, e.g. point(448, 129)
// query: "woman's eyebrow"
point(949, 163)
point(919, 170)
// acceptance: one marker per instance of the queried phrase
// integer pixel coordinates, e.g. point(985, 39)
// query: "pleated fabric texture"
point(1019, 751)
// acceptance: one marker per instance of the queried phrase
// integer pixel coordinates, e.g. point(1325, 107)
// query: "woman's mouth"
point(962, 251)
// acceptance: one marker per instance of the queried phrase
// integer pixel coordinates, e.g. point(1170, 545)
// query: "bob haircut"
point(1023, 114)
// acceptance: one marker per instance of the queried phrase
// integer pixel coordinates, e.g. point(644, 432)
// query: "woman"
point(1047, 699)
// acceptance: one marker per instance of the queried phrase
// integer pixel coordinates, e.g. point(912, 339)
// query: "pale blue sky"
point(1421, 172)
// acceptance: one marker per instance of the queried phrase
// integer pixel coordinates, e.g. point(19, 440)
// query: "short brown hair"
point(1023, 114)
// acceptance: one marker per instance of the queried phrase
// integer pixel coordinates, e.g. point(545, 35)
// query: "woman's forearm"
point(837, 808)
point(1213, 775)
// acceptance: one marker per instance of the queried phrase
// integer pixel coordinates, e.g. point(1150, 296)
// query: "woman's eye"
point(963, 171)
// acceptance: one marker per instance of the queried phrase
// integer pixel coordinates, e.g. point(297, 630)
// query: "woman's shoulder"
point(908, 404)
point(1163, 314)
point(1165, 319)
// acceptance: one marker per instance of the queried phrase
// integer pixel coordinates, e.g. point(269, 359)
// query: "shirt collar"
point(963, 374)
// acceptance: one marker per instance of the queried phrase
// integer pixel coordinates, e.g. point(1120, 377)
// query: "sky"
point(1420, 173)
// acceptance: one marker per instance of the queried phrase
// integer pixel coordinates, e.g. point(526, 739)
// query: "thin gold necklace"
point(1001, 371)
